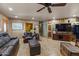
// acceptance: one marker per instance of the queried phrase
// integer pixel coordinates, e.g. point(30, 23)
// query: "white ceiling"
point(28, 10)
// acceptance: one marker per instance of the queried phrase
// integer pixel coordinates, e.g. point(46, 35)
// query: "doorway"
point(41, 28)
point(5, 28)
point(49, 30)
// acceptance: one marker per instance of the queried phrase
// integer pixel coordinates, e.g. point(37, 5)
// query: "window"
point(17, 26)
point(0, 25)
point(5, 27)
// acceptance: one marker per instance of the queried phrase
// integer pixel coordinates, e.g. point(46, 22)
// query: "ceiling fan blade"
point(42, 3)
point(49, 9)
point(40, 9)
point(58, 4)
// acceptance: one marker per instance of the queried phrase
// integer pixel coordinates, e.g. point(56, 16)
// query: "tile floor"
point(49, 47)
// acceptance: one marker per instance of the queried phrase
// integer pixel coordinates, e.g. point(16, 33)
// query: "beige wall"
point(19, 33)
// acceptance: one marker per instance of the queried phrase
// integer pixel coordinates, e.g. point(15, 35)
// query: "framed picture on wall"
point(28, 26)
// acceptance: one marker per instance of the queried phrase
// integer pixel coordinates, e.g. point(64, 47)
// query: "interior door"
point(49, 30)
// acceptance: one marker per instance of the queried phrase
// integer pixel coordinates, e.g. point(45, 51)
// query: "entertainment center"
point(63, 32)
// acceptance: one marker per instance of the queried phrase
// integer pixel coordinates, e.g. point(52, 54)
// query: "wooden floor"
point(49, 47)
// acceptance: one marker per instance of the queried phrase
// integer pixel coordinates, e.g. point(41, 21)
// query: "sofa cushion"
point(6, 39)
point(2, 50)
point(27, 34)
point(12, 38)
point(28, 38)
point(2, 42)
point(7, 51)
point(5, 34)
point(33, 42)
point(12, 42)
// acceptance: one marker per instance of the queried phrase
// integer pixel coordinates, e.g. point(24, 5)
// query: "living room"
point(51, 29)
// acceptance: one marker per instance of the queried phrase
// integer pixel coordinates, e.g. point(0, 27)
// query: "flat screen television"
point(63, 27)
point(75, 29)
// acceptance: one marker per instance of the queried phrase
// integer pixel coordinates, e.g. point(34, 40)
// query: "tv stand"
point(63, 36)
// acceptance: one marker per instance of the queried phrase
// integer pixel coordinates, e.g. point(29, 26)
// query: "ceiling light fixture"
point(10, 9)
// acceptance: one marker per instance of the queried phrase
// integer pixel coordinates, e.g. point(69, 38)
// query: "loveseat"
point(8, 45)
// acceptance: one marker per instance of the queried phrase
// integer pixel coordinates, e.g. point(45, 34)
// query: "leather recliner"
point(28, 35)
point(35, 47)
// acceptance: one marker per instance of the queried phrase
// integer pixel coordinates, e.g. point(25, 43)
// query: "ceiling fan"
point(47, 5)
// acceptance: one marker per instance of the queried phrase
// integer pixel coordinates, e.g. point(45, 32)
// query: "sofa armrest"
point(7, 52)
point(13, 38)
point(0, 54)
point(23, 36)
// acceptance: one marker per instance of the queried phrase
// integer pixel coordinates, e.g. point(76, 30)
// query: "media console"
point(63, 36)
point(63, 32)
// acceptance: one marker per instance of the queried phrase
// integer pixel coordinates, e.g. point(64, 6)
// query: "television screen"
point(76, 29)
point(63, 27)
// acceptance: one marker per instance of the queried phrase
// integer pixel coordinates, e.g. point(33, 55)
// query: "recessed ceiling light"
point(10, 9)
point(16, 16)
